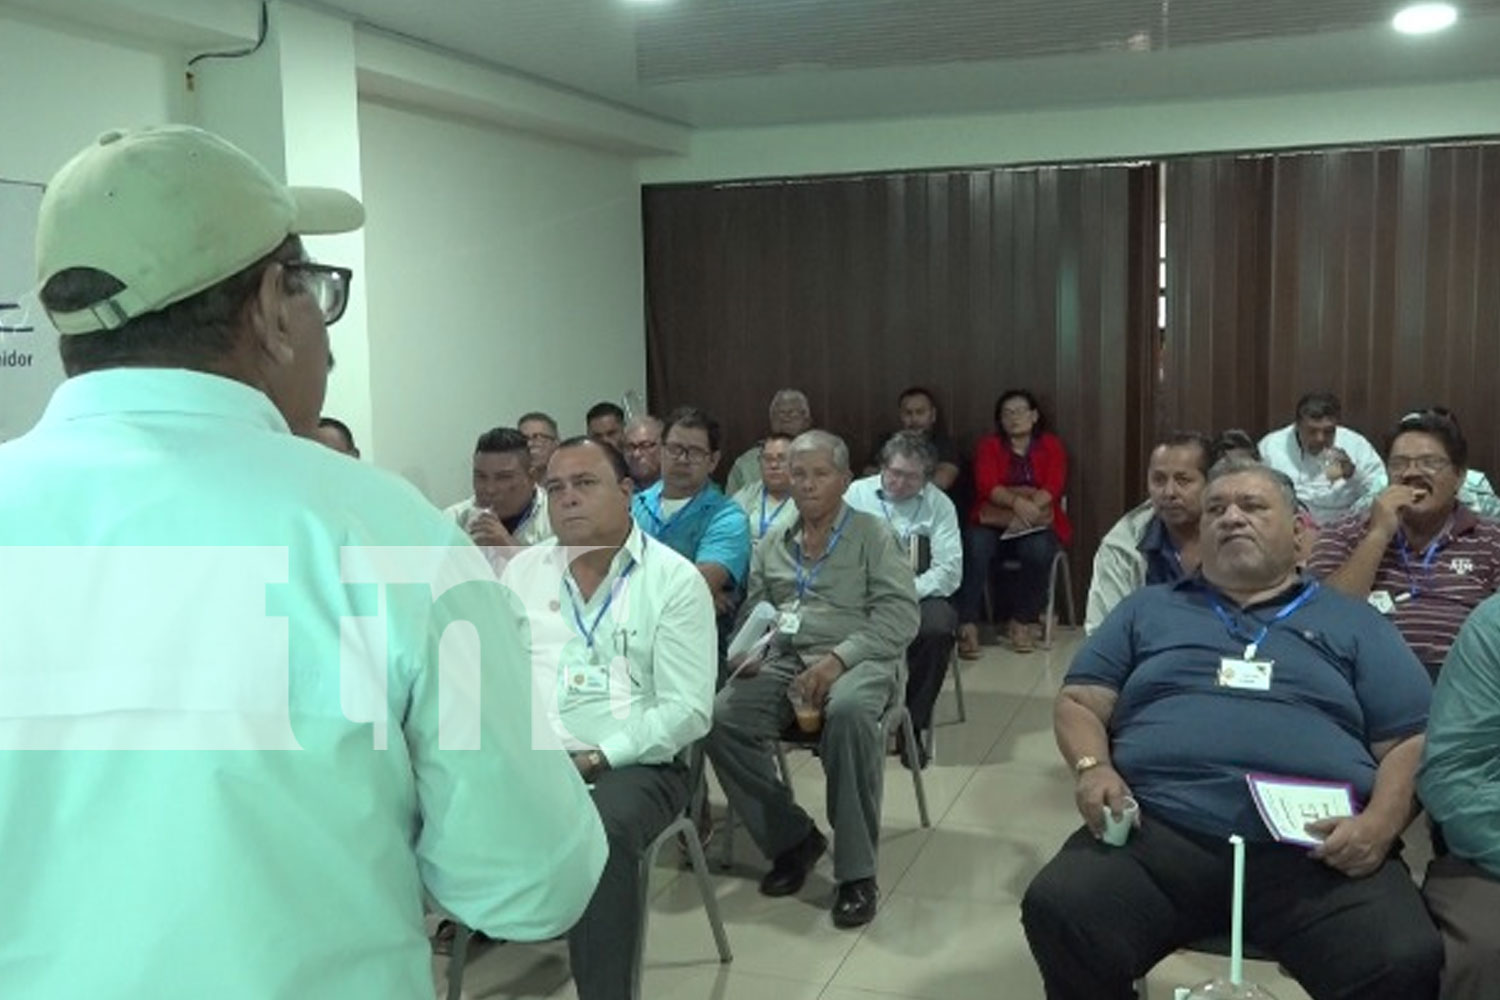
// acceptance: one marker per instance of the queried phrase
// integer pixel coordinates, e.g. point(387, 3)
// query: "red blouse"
point(1048, 465)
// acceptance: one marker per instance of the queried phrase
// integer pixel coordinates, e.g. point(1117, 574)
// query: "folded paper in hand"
point(754, 637)
point(1018, 527)
point(1287, 805)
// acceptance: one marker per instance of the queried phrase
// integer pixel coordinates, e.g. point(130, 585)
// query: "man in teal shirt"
point(690, 514)
point(235, 624)
point(1460, 785)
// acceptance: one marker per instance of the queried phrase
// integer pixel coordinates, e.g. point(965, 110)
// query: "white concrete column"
point(294, 105)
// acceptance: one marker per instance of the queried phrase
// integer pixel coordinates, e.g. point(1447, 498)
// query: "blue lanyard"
point(912, 524)
point(662, 527)
point(588, 631)
point(1252, 645)
point(805, 577)
point(1427, 556)
point(765, 522)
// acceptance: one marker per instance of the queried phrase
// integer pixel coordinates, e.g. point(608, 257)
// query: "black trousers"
point(636, 804)
point(1021, 595)
point(927, 659)
point(1098, 917)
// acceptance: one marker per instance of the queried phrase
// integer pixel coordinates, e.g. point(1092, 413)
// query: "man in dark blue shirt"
point(1182, 692)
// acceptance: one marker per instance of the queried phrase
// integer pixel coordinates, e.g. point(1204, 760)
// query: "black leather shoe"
point(856, 902)
point(923, 755)
point(790, 868)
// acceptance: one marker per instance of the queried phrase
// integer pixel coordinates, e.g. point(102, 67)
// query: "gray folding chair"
point(684, 827)
point(1059, 568)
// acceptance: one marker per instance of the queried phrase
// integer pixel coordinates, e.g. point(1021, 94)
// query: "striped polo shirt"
point(1431, 595)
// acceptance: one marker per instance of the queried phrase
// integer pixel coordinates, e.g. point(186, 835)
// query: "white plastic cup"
point(1117, 828)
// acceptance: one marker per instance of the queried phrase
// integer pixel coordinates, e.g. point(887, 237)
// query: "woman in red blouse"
point(1019, 476)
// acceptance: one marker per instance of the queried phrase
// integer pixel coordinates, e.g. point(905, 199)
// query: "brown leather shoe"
point(968, 642)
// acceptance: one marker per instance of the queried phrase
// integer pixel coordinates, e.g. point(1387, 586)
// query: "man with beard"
point(1186, 691)
point(1418, 556)
point(1158, 541)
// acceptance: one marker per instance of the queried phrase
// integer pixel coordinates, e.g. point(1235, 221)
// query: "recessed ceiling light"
point(1425, 18)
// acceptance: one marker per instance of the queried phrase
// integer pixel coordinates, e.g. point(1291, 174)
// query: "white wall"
point(1124, 131)
point(505, 275)
point(62, 86)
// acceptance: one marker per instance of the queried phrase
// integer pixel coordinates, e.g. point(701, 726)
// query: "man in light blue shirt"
point(925, 525)
point(234, 627)
point(687, 512)
point(625, 635)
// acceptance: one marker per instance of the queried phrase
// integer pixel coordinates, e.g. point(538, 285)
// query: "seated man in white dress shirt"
point(923, 520)
point(507, 510)
point(624, 656)
point(1335, 470)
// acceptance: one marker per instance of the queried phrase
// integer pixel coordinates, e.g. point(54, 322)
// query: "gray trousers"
point(636, 804)
point(750, 712)
point(1462, 899)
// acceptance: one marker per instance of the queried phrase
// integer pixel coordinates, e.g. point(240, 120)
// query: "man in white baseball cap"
point(173, 598)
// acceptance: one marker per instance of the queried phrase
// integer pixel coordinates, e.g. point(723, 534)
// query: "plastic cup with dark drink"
point(809, 716)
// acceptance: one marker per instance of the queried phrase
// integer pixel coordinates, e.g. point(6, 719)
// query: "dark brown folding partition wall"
point(1374, 273)
point(969, 282)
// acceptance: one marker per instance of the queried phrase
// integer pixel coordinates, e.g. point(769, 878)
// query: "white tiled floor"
point(949, 926)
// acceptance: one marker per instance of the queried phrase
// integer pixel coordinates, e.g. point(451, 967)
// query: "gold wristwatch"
point(1085, 763)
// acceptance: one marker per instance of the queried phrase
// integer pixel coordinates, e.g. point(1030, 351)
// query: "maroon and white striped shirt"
point(1432, 594)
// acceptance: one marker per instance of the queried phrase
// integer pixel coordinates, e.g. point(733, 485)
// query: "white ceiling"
point(718, 63)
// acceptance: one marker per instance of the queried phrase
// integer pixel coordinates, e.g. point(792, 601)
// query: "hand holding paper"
point(1355, 845)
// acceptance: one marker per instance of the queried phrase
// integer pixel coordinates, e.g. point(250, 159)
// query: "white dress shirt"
point(536, 527)
point(764, 512)
point(643, 689)
point(1325, 499)
point(928, 513)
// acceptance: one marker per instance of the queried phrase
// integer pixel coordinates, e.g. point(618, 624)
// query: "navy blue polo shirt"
point(1163, 564)
point(1342, 680)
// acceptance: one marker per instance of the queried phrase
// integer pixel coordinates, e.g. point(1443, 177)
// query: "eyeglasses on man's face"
point(687, 453)
point(1428, 465)
point(327, 284)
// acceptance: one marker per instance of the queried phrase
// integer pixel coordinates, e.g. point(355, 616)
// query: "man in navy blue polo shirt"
point(1183, 691)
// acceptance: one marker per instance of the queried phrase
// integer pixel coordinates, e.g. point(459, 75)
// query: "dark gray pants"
point(1463, 900)
point(750, 712)
point(636, 804)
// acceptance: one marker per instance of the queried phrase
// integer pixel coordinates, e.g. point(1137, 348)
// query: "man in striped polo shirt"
point(1418, 555)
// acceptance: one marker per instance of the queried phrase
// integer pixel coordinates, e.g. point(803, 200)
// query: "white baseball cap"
point(169, 211)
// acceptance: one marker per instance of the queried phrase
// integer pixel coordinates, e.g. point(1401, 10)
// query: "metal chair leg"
point(458, 955)
point(958, 685)
point(684, 827)
point(914, 762)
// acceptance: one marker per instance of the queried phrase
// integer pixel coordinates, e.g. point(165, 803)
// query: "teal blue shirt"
point(262, 847)
point(710, 528)
point(1460, 778)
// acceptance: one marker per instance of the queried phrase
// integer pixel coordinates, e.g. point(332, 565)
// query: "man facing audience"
point(196, 782)
point(1335, 470)
point(507, 508)
point(790, 415)
point(1158, 541)
point(1460, 786)
point(606, 422)
point(1185, 690)
point(643, 450)
point(690, 514)
point(625, 637)
point(925, 525)
point(540, 432)
point(847, 610)
point(768, 503)
point(1419, 556)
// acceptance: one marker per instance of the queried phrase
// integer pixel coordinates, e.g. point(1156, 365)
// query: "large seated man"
point(691, 515)
point(1187, 689)
point(1158, 541)
point(848, 609)
point(1335, 470)
point(624, 651)
point(925, 525)
point(507, 509)
point(1419, 556)
point(1460, 786)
